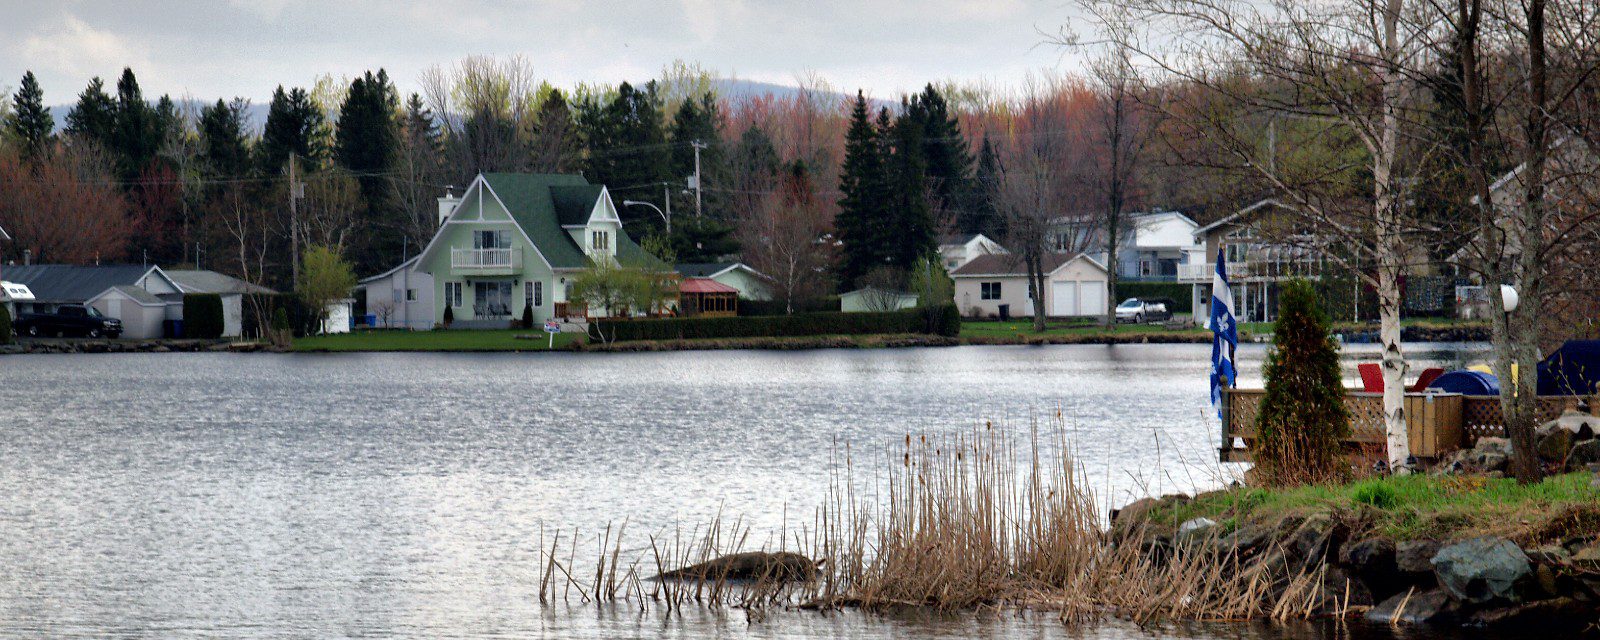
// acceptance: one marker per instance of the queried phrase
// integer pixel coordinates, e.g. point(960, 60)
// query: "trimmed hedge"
point(202, 316)
point(777, 308)
point(942, 320)
point(301, 321)
point(1179, 292)
point(5, 325)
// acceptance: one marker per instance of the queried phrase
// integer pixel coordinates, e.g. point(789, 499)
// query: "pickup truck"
point(69, 319)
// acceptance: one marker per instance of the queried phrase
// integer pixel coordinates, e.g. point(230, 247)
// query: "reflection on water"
point(391, 494)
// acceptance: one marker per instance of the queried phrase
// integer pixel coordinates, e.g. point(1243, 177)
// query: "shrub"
point(1303, 418)
point(202, 316)
point(449, 315)
point(280, 319)
point(527, 317)
point(5, 325)
point(779, 308)
point(942, 320)
point(261, 311)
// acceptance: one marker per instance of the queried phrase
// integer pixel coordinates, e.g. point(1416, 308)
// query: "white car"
point(1138, 310)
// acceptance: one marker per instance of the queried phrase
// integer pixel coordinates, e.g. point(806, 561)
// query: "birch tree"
point(1348, 67)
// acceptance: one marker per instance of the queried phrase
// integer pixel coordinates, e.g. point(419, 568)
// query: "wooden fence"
point(1437, 423)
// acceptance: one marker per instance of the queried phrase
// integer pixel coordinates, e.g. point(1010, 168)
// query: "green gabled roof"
point(528, 197)
point(574, 204)
point(541, 202)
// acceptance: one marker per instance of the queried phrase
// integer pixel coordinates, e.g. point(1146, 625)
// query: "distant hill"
point(730, 89)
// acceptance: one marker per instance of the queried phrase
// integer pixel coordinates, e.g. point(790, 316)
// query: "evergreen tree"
point(367, 143)
point(556, 144)
point(168, 120)
point(224, 151)
point(94, 118)
point(944, 149)
point(30, 121)
point(628, 150)
point(981, 216)
point(1303, 418)
point(863, 207)
point(136, 138)
point(699, 121)
point(294, 125)
point(912, 234)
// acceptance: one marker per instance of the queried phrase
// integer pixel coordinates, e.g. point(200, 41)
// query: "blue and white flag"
point(1225, 333)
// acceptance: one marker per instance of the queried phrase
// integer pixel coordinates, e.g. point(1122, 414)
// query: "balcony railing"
point(485, 260)
point(1254, 269)
point(1204, 271)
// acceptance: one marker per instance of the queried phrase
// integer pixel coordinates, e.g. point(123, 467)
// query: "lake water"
point(190, 495)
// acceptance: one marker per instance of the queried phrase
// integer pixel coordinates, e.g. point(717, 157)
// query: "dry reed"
point(978, 520)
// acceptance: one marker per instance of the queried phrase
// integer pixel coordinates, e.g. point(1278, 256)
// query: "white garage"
point(1075, 286)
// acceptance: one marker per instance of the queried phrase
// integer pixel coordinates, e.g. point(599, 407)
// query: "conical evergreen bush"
point(1303, 419)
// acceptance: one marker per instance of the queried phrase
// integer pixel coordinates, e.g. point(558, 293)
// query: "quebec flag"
point(1225, 333)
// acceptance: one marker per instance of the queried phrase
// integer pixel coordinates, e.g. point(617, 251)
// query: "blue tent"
point(1468, 383)
point(1572, 370)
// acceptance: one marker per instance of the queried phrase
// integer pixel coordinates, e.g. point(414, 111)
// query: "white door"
point(1091, 299)
point(1063, 298)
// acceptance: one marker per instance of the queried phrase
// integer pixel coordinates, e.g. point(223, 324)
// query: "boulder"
point(1554, 444)
point(1414, 607)
point(1195, 530)
point(1482, 570)
point(1244, 540)
point(1372, 561)
point(1129, 518)
point(1584, 453)
point(748, 566)
point(1501, 446)
point(1312, 539)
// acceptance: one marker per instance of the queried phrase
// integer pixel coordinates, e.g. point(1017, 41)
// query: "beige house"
point(875, 299)
point(1075, 286)
point(752, 284)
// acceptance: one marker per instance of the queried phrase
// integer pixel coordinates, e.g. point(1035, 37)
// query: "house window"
point(600, 241)
point(989, 290)
point(452, 294)
point(411, 295)
point(538, 294)
point(491, 239)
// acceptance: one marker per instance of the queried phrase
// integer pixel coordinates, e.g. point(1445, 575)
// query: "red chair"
point(1427, 378)
point(1371, 377)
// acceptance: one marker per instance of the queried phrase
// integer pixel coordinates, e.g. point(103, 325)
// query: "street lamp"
point(664, 216)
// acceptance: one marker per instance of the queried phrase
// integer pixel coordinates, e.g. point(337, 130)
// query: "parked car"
point(69, 320)
point(1139, 310)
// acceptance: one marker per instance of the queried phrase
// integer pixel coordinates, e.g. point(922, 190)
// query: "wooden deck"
point(1438, 423)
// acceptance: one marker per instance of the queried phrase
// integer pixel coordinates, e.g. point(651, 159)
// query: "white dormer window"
point(600, 241)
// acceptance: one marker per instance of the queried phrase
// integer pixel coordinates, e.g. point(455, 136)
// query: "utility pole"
point(666, 190)
point(698, 145)
point(295, 194)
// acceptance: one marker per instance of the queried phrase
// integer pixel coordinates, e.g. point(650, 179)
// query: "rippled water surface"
point(231, 495)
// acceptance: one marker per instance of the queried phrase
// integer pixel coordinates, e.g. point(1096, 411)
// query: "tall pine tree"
point(863, 209)
point(367, 144)
point(944, 149)
point(628, 151)
point(224, 151)
point(136, 138)
point(94, 118)
point(981, 216)
point(911, 235)
point(294, 125)
point(30, 122)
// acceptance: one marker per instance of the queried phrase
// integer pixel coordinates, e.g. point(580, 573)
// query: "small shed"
point(707, 298)
point(875, 299)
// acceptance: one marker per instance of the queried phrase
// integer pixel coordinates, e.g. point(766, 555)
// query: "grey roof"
point(138, 294)
point(213, 282)
point(1011, 264)
point(960, 238)
point(704, 269)
point(68, 283)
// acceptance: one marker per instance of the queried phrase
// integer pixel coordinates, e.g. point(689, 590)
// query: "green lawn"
point(1014, 328)
point(1405, 507)
point(451, 340)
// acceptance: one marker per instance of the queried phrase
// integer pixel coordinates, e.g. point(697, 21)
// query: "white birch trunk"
point(1389, 248)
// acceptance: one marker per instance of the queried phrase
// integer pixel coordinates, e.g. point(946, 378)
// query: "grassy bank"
point(1021, 332)
point(1411, 507)
point(453, 340)
point(875, 341)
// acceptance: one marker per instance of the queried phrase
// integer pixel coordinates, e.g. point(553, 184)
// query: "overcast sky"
point(224, 48)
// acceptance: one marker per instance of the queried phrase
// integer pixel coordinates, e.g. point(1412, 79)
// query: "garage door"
point(1092, 299)
point(1063, 298)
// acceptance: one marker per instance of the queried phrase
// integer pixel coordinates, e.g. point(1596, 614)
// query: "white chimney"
point(447, 205)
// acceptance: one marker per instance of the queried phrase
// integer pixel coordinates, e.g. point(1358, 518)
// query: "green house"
point(516, 239)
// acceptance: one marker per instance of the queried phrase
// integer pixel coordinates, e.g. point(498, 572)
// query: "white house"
point(1075, 286)
point(956, 251)
point(401, 297)
point(752, 284)
point(1152, 248)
